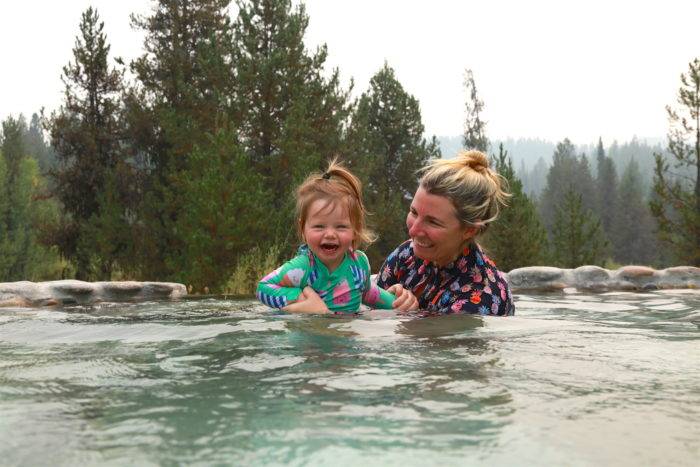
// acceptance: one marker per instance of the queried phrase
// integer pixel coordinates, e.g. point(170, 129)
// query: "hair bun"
point(475, 160)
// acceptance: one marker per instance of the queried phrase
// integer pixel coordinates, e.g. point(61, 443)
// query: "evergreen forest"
point(181, 165)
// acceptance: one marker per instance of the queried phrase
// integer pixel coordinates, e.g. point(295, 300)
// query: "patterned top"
point(342, 290)
point(470, 284)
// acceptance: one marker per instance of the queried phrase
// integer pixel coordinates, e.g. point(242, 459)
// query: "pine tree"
point(517, 238)
point(634, 225)
point(226, 211)
point(606, 188)
point(37, 146)
point(184, 84)
point(677, 202)
point(290, 116)
point(577, 238)
point(387, 148)
point(568, 171)
point(474, 127)
point(85, 133)
point(21, 210)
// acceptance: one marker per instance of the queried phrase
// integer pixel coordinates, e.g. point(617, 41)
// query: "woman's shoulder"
point(402, 251)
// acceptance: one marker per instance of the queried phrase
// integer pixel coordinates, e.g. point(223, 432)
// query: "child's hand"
point(405, 300)
point(308, 302)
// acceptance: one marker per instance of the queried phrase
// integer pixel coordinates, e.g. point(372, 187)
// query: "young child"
point(331, 225)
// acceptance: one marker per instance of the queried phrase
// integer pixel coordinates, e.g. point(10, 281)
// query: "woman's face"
point(437, 234)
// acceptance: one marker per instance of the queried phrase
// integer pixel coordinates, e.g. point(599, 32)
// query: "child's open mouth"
point(329, 248)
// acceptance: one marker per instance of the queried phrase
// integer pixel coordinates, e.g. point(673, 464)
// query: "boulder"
point(595, 278)
point(73, 292)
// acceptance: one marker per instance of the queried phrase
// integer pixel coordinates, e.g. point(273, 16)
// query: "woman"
point(441, 266)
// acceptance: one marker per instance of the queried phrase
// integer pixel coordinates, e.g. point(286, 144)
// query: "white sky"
point(548, 69)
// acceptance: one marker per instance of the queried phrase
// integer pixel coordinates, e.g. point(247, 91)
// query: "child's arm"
point(372, 295)
point(283, 286)
point(309, 302)
point(376, 297)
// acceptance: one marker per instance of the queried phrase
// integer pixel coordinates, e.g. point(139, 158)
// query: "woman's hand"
point(405, 300)
point(308, 302)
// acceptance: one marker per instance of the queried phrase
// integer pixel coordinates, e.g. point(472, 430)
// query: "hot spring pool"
point(572, 379)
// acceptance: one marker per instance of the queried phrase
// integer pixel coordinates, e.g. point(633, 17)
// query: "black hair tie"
point(326, 176)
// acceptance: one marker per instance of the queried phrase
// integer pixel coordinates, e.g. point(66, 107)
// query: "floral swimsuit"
point(470, 284)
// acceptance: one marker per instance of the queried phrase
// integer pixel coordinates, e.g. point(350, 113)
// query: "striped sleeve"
point(283, 286)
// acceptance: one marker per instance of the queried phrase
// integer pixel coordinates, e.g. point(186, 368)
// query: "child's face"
point(328, 232)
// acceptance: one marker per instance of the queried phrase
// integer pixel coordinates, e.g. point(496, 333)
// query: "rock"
point(537, 278)
point(591, 277)
point(73, 292)
point(13, 302)
point(596, 278)
point(634, 272)
point(679, 277)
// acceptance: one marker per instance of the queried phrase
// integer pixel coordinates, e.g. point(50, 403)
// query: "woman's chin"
point(424, 253)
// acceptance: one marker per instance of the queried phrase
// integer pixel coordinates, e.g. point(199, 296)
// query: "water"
point(571, 379)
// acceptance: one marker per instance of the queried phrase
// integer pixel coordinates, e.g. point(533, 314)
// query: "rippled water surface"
point(571, 379)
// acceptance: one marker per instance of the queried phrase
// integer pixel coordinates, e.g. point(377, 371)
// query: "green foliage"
point(474, 127)
point(22, 209)
point(251, 267)
point(634, 225)
point(517, 238)
point(676, 205)
point(225, 212)
point(568, 171)
point(85, 133)
point(290, 116)
point(37, 147)
point(386, 149)
point(577, 238)
point(184, 80)
point(606, 190)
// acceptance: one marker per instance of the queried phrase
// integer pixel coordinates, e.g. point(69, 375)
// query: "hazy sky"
point(548, 69)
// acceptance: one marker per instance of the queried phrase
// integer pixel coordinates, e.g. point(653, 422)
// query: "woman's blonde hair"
point(336, 184)
point(476, 191)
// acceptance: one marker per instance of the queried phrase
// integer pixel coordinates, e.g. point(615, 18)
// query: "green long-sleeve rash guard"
point(342, 290)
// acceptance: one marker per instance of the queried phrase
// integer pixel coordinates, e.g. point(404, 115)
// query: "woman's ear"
point(469, 232)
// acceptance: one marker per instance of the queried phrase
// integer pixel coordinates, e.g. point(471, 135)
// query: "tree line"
point(598, 216)
point(181, 164)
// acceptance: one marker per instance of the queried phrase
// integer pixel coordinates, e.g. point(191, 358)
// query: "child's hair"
point(336, 184)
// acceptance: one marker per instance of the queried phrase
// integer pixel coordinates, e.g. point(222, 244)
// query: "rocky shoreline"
point(534, 278)
point(597, 279)
point(73, 292)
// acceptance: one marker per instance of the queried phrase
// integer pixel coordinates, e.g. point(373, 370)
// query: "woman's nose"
point(413, 228)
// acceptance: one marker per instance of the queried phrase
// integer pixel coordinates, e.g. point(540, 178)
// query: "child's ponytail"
point(337, 183)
